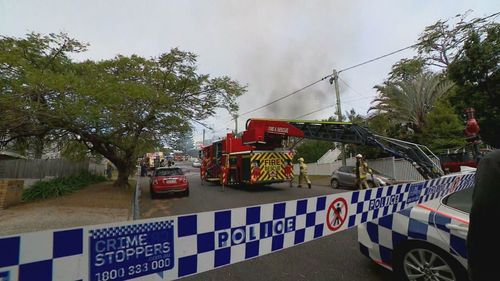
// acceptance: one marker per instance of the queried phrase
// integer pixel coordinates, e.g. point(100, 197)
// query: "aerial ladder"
point(263, 132)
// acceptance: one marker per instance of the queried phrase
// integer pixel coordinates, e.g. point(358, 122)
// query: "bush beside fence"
point(60, 186)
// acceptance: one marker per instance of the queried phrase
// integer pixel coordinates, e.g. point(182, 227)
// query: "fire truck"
point(469, 154)
point(261, 154)
point(153, 159)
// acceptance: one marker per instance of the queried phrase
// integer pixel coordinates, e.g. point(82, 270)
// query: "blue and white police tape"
point(171, 247)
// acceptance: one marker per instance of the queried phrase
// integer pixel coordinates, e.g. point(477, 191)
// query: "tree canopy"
point(409, 101)
point(113, 107)
point(456, 67)
point(476, 73)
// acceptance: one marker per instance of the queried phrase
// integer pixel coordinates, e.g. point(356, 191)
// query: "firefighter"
point(255, 172)
point(361, 172)
point(303, 173)
point(289, 171)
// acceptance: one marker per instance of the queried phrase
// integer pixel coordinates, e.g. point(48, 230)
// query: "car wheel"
point(422, 261)
point(186, 193)
point(371, 184)
point(334, 184)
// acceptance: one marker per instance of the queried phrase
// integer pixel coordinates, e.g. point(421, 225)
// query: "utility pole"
point(203, 143)
point(335, 78)
point(235, 116)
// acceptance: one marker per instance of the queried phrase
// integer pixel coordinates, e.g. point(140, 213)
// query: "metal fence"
point(398, 169)
point(41, 168)
point(325, 169)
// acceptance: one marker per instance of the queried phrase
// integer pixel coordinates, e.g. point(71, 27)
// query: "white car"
point(196, 163)
point(425, 242)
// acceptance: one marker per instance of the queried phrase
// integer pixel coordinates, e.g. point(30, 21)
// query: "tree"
point(441, 43)
point(312, 150)
point(408, 101)
point(114, 107)
point(28, 68)
point(184, 142)
point(477, 76)
point(443, 129)
point(407, 69)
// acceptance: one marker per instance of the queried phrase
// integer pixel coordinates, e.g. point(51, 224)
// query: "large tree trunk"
point(39, 145)
point(124, 162)
point(123, 173)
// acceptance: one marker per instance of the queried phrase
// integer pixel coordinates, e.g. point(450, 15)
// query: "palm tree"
point(409, 101)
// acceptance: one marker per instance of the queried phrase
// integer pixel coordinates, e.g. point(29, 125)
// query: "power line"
point(328, 76)
point(349, 86)
point(377, 58)
point(361, 96)
point(409, 47)
point(343, 70)
point(318, 110)
point(286, 96)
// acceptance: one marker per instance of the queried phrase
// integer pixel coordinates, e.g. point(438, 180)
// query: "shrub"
point(60, 186)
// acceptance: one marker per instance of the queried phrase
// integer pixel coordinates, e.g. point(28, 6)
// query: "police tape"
point(172, 247)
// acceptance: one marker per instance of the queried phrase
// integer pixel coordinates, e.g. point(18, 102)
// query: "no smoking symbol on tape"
point(337, 214)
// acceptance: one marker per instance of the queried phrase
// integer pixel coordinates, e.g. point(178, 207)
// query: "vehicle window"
point(461, 200)
point(346, 169)
point(169, 172)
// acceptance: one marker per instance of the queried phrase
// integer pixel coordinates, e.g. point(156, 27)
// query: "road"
point(334, 257)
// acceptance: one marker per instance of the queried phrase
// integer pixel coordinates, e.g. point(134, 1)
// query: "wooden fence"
point(41, 168)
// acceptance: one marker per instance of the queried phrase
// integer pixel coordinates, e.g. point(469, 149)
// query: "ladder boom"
point(349, 133)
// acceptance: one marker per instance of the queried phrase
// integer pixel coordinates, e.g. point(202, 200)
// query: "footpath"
point(94, 204)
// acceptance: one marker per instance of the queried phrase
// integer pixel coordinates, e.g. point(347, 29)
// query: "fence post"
point(393, 167)
point(137, 194)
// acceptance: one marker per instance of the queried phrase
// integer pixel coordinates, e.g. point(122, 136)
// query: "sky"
point(274, 47)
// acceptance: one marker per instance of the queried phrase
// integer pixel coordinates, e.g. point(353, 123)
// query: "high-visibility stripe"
point(271, 172)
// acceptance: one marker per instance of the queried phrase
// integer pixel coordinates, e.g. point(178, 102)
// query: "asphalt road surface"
point(334, 257)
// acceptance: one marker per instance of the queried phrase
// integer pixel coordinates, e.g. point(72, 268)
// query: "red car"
point(168, 180)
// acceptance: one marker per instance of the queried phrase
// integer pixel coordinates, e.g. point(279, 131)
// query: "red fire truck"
point(260, 154)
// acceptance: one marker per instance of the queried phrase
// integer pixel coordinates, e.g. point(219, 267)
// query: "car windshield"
point(169, 172)
point(379, 173)
point(352, 170)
